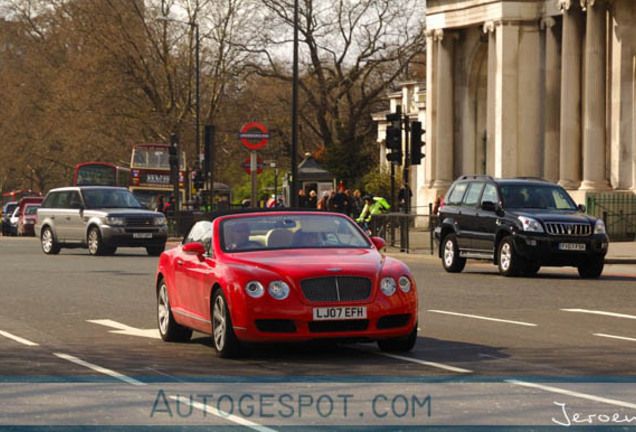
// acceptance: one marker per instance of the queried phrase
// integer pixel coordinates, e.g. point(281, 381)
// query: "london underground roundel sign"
point(254, 131)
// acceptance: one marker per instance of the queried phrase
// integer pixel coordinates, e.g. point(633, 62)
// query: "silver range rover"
point(100, 218)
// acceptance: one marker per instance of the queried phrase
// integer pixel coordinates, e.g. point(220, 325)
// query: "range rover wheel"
point(591, 269)
point(223, 338)
point(155, 250)
point(49, 245)
point(399, 344)
point(510, 263)
point(169, 330)
point(450, 255)
point(95, 243)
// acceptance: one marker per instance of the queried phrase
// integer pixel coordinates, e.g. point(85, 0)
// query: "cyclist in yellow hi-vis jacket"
point(373, 205)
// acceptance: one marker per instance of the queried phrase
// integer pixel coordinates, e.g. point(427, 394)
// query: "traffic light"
point(416, 143)
point(394, 136)
point(197, 179)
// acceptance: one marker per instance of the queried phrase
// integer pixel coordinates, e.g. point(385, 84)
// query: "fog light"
point(530, 242)
point(604, 245)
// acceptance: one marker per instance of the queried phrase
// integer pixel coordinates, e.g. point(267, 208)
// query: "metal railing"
point(617, 210)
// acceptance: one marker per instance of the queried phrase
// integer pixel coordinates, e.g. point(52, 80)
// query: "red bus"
point(17, 195)
point(150, 174)
point(101, 174)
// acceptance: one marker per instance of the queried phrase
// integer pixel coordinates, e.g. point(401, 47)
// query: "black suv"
point(518, 224)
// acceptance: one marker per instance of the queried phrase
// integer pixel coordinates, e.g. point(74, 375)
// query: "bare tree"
point(352, 52)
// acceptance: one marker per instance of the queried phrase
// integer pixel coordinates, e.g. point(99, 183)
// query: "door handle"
point(179, 262)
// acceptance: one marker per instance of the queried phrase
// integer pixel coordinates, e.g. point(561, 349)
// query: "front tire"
point(96, 245)
point(223, 338)
point(399, 344)
point(169, 330)
point(592, 269)
point(450, 259)
point(510, 263)
point(47, 240)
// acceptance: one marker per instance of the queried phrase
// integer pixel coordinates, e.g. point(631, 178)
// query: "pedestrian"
point(170, 206)
point(372, 205)
point(312, 202)
point(356, 204)
point(323, 204)
point(161, 203)
point(338, 202)
point(302, 199)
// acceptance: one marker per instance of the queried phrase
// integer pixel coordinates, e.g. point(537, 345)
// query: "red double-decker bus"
point(101, 174)
point(150, 173)
point(16, 196)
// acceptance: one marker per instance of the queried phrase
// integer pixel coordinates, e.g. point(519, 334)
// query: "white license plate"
point(142, 235)
point(340, 313)
point(572, 246)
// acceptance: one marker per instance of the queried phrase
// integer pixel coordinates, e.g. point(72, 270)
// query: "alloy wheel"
point(505, 257)
point(219, 323)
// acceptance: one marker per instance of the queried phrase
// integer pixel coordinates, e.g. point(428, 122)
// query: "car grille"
point(568, 229)
point(338, 288)
point(140, 221)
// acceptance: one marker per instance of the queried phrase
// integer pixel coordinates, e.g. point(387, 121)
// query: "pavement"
point(420, 246)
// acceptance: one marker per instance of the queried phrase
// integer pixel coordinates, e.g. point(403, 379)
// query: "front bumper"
point(116, 236)
point(544, 248)
point(386, 318)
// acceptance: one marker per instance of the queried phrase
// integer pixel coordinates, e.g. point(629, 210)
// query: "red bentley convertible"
point(283, 277)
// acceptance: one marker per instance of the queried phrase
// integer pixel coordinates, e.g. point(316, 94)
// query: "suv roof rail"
point(533, 178)
point(476, 177)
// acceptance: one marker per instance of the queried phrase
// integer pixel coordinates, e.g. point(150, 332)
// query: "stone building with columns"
point(538, 88)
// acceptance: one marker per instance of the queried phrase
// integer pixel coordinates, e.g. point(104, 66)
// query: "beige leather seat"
point(279, 237)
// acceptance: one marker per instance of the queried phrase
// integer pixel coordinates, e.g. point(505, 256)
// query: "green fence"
point(618, 211)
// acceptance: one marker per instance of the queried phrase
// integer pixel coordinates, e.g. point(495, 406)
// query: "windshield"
point(31, 209)
point(96, 175)
point(155, 158)
point(109, 198)
point(536, 197)
point(296, 231)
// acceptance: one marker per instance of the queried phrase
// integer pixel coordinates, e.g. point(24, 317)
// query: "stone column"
point(570, 149)
point(489, 28)
point(552, 101)
point(595, 106)
point(445, 106)
point(431, 108)
point(507, 100)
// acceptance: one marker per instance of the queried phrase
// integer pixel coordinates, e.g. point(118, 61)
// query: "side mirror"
point(499, 210)
point(195, 248)
point(379, 242)
point(488, 206)
point(581, 207)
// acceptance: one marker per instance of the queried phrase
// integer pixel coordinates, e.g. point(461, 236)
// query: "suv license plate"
point(340, 313)
point(142, 235)
point(572, 246)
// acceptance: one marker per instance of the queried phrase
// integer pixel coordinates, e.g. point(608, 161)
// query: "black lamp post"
point(195, 25)
point(294, 141)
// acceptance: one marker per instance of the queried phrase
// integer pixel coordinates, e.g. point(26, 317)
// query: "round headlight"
point(279, 290)
point(405, 284)
point(388, 286)
point(254, 289)
point(161, 220)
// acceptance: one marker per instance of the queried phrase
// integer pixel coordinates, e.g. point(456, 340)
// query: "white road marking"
point(596, 312)
point(99, 369)
point(573, 393)
point(230, 417)
point(521, 323)
point(615, 337)
point(18, 339)
point(425, 363)
point(126, 329)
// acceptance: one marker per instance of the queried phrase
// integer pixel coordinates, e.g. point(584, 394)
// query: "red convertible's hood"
point(304, 263)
